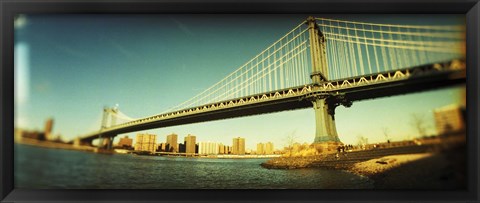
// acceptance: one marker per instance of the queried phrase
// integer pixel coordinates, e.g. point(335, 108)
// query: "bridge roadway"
point(373, 86)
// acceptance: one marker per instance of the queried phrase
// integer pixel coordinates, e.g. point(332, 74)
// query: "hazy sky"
point(69, 67)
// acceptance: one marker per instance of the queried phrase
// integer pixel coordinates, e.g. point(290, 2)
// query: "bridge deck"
point(360, 88)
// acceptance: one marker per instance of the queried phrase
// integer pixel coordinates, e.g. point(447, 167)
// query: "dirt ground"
point(445, 170)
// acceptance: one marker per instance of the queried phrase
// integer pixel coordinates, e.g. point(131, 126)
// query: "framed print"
point(224, 101)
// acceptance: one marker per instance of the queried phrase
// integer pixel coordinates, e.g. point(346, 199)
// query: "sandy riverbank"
point(345, 159)
point(416, 171)
point(376, 166)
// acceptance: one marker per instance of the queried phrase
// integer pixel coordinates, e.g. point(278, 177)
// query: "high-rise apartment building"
point(238, 146)
point(221, 148)
point(260, 148)
point(235, 146)
point(269, 148)
point(172, 143)
point(190, 144)
point(208, 148)
point(146, 142)
point(449, 119)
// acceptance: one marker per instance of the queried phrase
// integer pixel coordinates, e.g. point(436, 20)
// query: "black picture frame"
point(9, 8)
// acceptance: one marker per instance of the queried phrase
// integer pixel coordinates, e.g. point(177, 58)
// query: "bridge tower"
point(103, 126)
point(107, 141)
point(324, 105)
point(113, 121)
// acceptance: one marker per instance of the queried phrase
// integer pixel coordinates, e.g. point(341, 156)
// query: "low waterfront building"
point(33, 135)
point(181, 147)
point(125, 142)
point(249, 151)
point(162, 147)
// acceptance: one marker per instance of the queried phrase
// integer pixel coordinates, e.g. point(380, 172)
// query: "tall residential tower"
point(238, 146)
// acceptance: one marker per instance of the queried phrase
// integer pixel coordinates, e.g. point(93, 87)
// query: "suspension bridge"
point(321, 63)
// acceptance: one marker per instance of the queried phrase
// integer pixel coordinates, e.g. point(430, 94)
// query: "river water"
point(53, 168)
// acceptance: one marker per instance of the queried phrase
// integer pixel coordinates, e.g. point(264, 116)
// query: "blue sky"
point(69, 67)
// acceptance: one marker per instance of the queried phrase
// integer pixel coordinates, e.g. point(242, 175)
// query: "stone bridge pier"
point(326, 136)
point(106, 143)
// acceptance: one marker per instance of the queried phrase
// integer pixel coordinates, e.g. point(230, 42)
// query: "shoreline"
point(345, 160)
point(63, 146)
point(53, 145)
point(444, 170)
point(220, 156)
point(420, 167)
point(374, 167)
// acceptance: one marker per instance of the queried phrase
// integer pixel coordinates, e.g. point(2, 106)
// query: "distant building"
point(125, 142)
point(181, 147)
point(162, 147)
point(48, 129)
point(208, 148)
point(269, 148)
point(241, 146)
point(221, 149)
point(190, 144)
point(224, 149)
point(238, 146)
point(172, 143)
point(248, 151)
point(33, 135)
point(202, 147)
point(449, 119)
point(260, 148)
point(146, 142)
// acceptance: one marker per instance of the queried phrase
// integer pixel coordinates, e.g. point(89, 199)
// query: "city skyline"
point(189, 138)
point(195, 41)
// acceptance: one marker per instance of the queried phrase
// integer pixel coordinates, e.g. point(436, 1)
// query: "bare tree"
point(362, 140)
point(386, 131)
point(290, 140)
point(418, 121)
